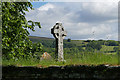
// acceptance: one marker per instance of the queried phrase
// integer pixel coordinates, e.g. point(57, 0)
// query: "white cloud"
point(46, 7)
point(79, 0)
point(79, 19)
point(101, 8)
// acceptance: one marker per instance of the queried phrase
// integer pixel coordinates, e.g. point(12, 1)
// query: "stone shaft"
point(59, 34)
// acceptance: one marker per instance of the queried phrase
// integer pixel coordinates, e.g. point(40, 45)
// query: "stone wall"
point(78, 71)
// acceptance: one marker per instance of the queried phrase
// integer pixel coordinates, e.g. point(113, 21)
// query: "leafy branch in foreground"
point(15, 41)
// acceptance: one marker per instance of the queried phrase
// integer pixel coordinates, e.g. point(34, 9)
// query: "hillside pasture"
point(107, 48)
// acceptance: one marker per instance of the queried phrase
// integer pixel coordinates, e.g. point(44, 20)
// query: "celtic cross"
point(59, 33)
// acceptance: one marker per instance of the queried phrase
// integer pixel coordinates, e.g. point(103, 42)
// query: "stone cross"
point(59, 33)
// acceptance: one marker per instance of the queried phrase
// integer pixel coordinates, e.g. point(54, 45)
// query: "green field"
point(84, 59)
point(72, 54)
point(107, 48)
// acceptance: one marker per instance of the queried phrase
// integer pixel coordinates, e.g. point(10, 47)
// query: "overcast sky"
point(81, 20)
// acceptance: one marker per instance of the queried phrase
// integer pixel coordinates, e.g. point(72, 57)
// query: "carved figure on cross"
point(59, 33)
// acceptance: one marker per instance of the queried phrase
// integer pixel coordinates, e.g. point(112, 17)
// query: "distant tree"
point(87, 41)
point(93, 41)
point(69, 45)
point(68, 40)
point(89, 49)
point(116, 49)
point(83, 45)
point(94, 45)
point(112, 43)
point(100, 40)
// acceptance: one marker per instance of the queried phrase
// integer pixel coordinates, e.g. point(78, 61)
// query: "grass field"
point(76, 59)
point(87, 58)
point(77, 42)
point(107, 48)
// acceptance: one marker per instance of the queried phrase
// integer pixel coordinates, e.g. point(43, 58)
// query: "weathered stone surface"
point(59, 33)
point(45, 56)
point(99, 72)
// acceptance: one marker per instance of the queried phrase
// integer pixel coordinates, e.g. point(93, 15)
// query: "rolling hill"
point(50, 43)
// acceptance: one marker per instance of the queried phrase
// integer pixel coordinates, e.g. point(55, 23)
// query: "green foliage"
point(112, 43)
point(49, 50)
point(101, 42)
point(87, 41)
point(68, 40)
point(89, 49)
point(94, 45)
point(74, 55)
point(69, 45)
point(15, 41)
point(46, 43)
point(116, 49)
point(81, 45)
point(80, 48)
